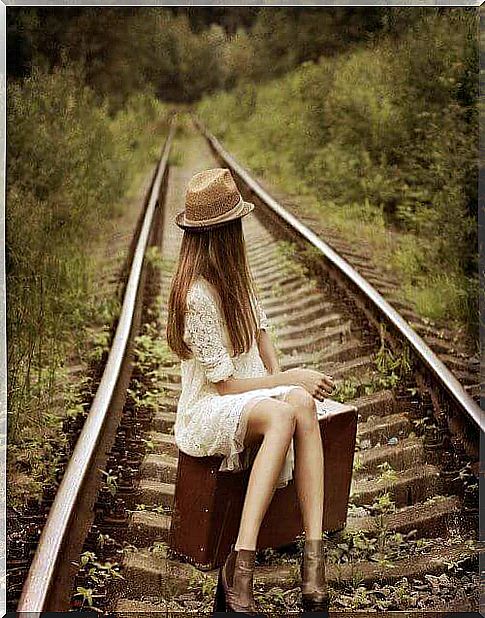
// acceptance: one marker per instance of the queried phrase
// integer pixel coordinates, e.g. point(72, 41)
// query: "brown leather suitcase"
point(208, 503)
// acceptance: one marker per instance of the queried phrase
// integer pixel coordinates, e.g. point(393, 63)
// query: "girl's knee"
point(272, 416)
point(282, 418)
point(301, 398)
point(304, 404)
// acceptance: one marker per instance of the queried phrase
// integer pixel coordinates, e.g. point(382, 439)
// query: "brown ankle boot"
point(235, 586)
point(314, 592)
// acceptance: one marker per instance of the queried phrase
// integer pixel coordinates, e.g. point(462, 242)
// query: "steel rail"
point(435, 365)
point(38, 593)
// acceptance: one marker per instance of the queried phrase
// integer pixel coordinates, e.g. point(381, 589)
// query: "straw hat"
point(212, 198)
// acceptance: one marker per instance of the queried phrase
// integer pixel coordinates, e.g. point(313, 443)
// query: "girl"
point(234, 395)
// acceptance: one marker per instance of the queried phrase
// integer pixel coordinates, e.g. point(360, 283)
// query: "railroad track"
point(416, 448)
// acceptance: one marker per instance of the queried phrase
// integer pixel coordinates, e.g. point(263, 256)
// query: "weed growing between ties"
point(391, 369)
point(347, 551)
point(146, 392)
point(97, 576)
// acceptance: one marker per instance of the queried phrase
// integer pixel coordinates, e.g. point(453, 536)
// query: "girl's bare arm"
point(317, 384)
point(232, 386)
point(267, 352)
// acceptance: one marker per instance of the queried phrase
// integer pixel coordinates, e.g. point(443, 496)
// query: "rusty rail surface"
point(51, 575)
point(442, 377)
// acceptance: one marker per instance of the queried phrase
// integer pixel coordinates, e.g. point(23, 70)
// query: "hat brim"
point(179, 219)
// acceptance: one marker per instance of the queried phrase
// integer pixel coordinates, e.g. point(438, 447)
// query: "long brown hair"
point(219, 255)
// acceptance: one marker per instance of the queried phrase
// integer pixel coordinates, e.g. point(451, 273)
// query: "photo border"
point(199, 3)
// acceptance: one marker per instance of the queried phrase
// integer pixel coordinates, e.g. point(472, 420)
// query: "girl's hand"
point(316, 383)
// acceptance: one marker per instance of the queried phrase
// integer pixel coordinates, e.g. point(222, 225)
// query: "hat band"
point(230, 214)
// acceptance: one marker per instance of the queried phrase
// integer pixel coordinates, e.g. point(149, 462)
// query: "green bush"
point(68, 164)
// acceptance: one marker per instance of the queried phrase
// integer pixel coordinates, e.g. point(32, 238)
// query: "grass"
point(437, 297)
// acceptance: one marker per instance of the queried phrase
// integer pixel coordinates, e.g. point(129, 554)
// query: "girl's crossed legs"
point(276, 423)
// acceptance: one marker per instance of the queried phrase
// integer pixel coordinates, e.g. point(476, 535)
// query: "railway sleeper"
point(312, 341)
point(334, 352)
point(405, 454)
point(311, 301)
point(308, 290)
point(149, 575)
point(295, 316)
point(413, 485)
point(381, 429)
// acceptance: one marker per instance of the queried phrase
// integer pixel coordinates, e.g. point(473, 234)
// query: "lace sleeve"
point(262, 317)
point(203, 333)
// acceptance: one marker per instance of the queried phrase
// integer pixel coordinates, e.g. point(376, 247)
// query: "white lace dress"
point(208, 423)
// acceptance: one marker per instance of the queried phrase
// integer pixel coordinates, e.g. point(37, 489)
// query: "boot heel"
point(220, 598)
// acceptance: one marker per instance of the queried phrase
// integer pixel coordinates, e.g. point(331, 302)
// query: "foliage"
point(69, 164)
point(179, 54)
point(382, 137)
point(98, 575)
point(111, 481)
point(205, 586)
point(152, 357)
point(159, 548)
point(161, 508)
point(390, 369)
